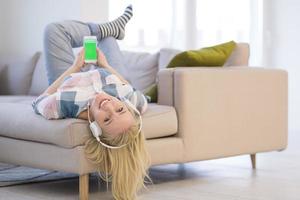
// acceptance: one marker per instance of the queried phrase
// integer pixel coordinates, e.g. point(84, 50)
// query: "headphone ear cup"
point(96, 130)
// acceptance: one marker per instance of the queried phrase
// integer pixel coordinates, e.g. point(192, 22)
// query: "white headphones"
point(97, 132)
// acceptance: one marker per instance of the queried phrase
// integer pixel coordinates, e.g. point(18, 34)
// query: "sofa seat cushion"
point(23, 99)
point(17, 120)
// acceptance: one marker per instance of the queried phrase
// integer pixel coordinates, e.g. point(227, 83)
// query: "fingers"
point(81, 52)
point(80, 58)
point(99, 51)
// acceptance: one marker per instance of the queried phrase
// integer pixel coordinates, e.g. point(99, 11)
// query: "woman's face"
point(111, 114)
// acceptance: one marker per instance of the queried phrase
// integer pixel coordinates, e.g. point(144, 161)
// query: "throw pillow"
point(209, 56)
point(141, 68)
point(16, 75)
point(165, 56)
point(151, 93)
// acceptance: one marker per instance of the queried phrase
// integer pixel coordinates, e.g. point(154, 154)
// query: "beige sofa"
point(202, 113)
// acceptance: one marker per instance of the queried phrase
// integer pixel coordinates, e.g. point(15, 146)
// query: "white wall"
point(94, 10)
point(282, 41)
point(23, 21)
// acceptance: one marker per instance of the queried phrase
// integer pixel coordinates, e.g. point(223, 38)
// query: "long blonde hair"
point(126, 167)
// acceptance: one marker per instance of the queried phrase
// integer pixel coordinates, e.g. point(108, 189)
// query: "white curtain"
point(191, 24)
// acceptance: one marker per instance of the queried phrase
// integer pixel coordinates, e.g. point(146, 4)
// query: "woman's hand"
point(77, 64)
point(101, 59)
point(79, 60)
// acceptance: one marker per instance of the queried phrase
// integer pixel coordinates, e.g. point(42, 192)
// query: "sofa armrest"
point(165, 87)
point(228, 111)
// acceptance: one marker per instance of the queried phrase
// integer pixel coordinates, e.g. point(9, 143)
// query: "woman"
point(99, 94)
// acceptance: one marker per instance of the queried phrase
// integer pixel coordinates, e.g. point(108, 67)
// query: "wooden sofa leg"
point(84, 187)
point(253, 160)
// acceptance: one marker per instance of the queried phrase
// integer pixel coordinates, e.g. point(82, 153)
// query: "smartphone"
point(90, 51)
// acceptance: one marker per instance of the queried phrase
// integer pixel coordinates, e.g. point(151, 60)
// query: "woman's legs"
point(60, 38)
point(115, 28)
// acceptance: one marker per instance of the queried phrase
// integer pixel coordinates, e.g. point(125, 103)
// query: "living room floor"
point(277, 177)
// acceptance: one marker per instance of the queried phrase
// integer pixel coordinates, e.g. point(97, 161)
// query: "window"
point(219, 21)
point(152, 23)
point(189, 24)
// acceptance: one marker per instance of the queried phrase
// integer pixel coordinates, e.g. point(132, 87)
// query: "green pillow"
point(208, 56)
point(151, 92)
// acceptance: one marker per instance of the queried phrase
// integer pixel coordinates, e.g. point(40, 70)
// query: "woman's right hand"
point(79, 60)
point(101, 59)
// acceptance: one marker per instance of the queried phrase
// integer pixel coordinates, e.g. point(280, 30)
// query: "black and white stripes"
point(116, 28)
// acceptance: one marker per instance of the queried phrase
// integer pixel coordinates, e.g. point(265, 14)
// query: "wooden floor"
point(277, 177)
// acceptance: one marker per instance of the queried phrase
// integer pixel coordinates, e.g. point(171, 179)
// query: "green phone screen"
point(90, 49)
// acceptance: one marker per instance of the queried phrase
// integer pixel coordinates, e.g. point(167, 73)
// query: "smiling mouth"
point(103, 102)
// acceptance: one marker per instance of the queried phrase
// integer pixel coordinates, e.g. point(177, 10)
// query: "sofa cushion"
point(239, 56)
point(18, 120)
point(141, 68)
point(22, 99)
point(15, 76)
point(165, 56)
point(39, 82)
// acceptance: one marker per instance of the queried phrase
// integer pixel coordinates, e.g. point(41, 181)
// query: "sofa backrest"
point(39, 81)
point(28, 76)
point(239, 56)
point(15, 74)
point(141, 70)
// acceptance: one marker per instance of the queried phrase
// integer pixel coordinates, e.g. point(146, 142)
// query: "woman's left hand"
point(101, 59)
point(79, 60)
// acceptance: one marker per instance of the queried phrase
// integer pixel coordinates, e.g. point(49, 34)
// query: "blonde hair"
point(126, 167)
